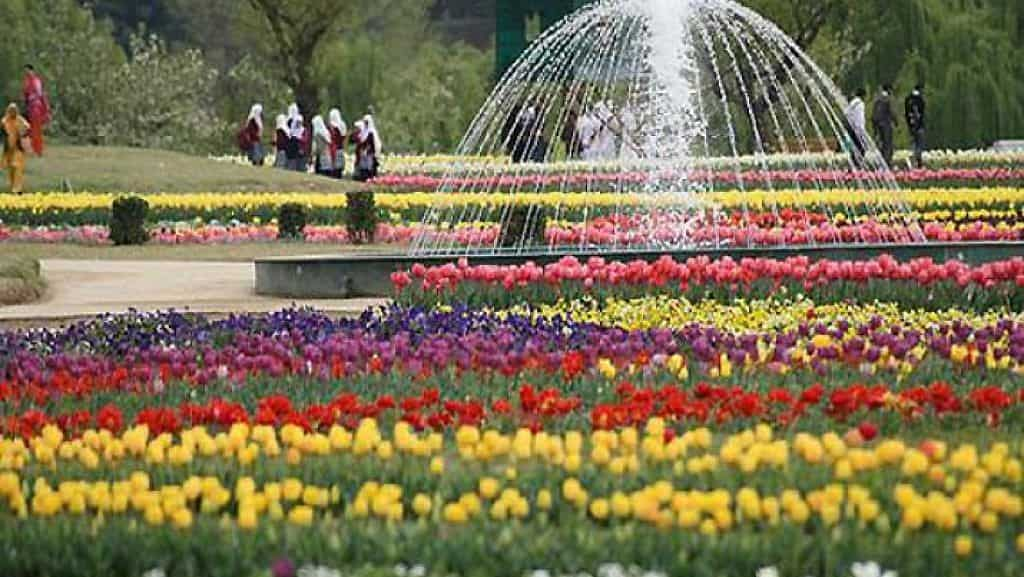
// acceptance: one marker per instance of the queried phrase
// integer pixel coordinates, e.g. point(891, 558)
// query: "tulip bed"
point(577, 219)
point(705, 417)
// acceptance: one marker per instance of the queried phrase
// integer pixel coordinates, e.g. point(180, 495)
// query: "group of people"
point(599, 133)
point(20, 134)
point(318, 145)
point(884, 123)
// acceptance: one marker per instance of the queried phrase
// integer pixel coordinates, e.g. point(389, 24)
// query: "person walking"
point(366, 151)
point(373, 152)
point(339, 140)
point(296, 150)
point(915, 112)
point(251, 138)
point(856, 125)
point(37, 107)
point(14, 130)
point(281, 142)
point(884, 121)
point(323, 150)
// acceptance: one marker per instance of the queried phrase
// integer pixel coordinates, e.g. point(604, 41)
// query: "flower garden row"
point(601, 232)
point(751, 218)
point(571, 177)
point(711, 417)
point(440, 165)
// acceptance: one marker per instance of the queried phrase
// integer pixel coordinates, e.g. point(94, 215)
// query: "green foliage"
point(428, 103)
point(361, 216)
point(164, 99)
point(149, 97)
point(291, 221)
point(128, 221)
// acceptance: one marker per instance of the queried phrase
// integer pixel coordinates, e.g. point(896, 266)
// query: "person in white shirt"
point(856, 126)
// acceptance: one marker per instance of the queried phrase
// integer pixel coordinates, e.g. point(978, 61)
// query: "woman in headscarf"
point(296, 151)
point(281, 142)
point(359, 137)
point(339, 140)
point(368, 149)
point(15, 129)
point(322, 147)
point(254, 135)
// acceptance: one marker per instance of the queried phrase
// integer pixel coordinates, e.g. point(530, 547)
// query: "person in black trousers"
point(884, 121)
point(915, 110)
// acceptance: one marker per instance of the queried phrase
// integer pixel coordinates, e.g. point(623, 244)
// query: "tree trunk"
point(307, 96)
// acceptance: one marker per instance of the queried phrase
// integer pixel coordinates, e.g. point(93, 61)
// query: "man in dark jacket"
point(915, 123)
point(884, 121)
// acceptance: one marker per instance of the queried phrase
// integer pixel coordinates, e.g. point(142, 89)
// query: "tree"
point(298, 28)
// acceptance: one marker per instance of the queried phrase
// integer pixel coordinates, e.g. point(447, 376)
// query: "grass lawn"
point(218, 253)
point(122, 170)
point(20, 279)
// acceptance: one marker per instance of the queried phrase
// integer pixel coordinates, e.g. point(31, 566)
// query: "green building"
point(519, 21)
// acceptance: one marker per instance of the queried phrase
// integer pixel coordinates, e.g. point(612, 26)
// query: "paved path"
point(85, 288)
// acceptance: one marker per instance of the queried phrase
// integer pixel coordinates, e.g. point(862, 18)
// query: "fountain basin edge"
point(354, 276)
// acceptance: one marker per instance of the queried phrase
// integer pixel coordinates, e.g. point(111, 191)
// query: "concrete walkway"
point(85, 288)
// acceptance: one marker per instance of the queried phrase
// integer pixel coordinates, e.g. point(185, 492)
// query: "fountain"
point(673, 104)
point(643, 127)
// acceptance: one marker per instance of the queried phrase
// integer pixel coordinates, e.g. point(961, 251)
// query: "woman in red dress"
point(37, 107)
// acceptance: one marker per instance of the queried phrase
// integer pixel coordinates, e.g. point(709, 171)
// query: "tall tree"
point(298, 28)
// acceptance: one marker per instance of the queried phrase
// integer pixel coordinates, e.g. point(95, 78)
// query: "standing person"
point(296, 151)
point(366, 152)
point(14, 131)
point(884, 121)
point(570, 135)
point(856, 125)
point(586, 129)
point(322, 149)
point(37, 106)
point(281, 142)
point(377, 147)
point(251, 138)
point(339, 140)
point(357, 138)
point(915, 111)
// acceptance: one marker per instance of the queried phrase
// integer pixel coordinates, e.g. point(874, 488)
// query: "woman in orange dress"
point(14, 128)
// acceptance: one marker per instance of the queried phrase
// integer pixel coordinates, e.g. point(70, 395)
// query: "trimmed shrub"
point(524, 226)
point(291, 221)
point(128, 221)
point(361, 216)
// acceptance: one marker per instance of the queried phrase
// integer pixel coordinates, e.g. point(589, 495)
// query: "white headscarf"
point(335, 120)
point(282, 122)
point(256, 113)
point(360, 130)
point(298, 127)
point(293, 111)
point(372, 129)
point(320, 129)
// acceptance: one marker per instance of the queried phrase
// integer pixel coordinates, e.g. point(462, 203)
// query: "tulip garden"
point(708, 417)
point(705, 417)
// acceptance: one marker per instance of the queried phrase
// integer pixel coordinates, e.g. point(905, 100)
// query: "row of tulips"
point(440, 165)
point(921, 282)
point(602, 232)
point(870, 408)
point(566, 177)
point(845, 204)
point(159, 353)
point(678, 502)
